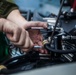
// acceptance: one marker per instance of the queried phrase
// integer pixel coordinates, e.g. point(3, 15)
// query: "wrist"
point(16, 17)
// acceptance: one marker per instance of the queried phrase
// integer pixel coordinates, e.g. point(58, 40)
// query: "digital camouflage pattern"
point(10, 0)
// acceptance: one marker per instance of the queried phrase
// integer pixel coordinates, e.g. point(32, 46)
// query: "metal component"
point(50, 20)
point(68, 57)
point(36, 28)
point(71, 55)
point(2, 67)
point(44, 58)
point(44, 54)
point(50, 26)
point(37, 47)
point(45, 42)
point(57, 21)
point(68, 37)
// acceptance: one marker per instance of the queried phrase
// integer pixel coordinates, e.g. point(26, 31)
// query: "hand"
point(37, 39)
point(17, 35)
point(16, 17)
point(35, 35)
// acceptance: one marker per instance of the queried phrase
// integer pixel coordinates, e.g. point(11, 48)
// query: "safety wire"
point(56, 22)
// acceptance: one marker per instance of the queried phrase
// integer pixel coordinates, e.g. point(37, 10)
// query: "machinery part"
point(37, 47)
point(57, 21)
point(59, 51)
point(2, 67)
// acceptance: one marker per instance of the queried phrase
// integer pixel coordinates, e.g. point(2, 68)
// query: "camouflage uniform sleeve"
point(10, 1)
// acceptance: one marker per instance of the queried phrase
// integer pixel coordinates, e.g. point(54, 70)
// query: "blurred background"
point(43, 6)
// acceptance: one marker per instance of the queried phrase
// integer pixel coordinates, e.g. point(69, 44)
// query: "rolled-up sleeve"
point(10, 1)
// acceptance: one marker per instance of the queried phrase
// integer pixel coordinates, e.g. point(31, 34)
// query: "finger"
point(25, 50)
point(21, 41)
point(40, 43)
point(27, 41)
point(17, 34)
point(31, 44)
point(14, 34)
point(30, 47)
point(36, 24)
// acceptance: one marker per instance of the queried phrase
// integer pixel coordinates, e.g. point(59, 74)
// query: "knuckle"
point(37, 23)
point(25, 50)
point(15, 40)
point(21, 43)
point(26, 47)
point(18, 28)
point(6, 22)
point(2, 19)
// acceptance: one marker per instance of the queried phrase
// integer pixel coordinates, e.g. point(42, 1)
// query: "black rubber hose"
point(59, 51)
point(12, 59)
point(6, 71)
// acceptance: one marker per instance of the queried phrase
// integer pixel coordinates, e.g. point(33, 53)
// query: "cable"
point(18, 61)
point(70, 44)
point(7, 62)
point(59, 51)
point(57, 21)
point(6, 71)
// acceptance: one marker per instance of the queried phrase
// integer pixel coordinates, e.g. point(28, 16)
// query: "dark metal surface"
point(68, 69)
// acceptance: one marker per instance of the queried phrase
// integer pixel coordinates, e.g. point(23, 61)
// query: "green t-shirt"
point(4, 48)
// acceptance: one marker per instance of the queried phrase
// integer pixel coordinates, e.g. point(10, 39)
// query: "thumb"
point(35, 24)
